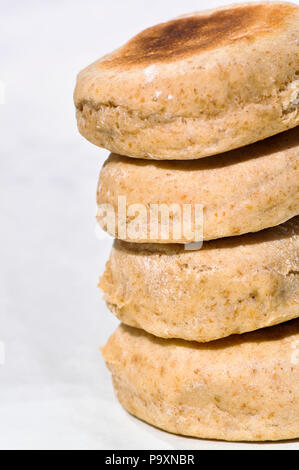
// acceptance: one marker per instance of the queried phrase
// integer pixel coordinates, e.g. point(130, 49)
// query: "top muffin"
point(196, 86)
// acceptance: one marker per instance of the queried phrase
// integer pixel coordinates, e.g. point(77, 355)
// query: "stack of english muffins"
point(202, 111)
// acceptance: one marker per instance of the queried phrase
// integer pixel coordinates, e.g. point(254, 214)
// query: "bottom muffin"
point(241, 388)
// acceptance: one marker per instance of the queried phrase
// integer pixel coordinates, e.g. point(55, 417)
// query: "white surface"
point(55, 391)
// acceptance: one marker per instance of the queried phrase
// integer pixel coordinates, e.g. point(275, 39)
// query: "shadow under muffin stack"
point(204, 109)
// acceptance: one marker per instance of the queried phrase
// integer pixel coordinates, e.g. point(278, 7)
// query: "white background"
point(55, 391)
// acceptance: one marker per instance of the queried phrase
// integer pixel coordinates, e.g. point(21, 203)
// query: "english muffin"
point(230, 286)
point(197, 85)
point(244, 388)
point(245, 190)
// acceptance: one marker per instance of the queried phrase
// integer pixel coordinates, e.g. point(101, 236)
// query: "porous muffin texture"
point(230, 286)
point(242, 191)
point(243, 388)
point(195, 86)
